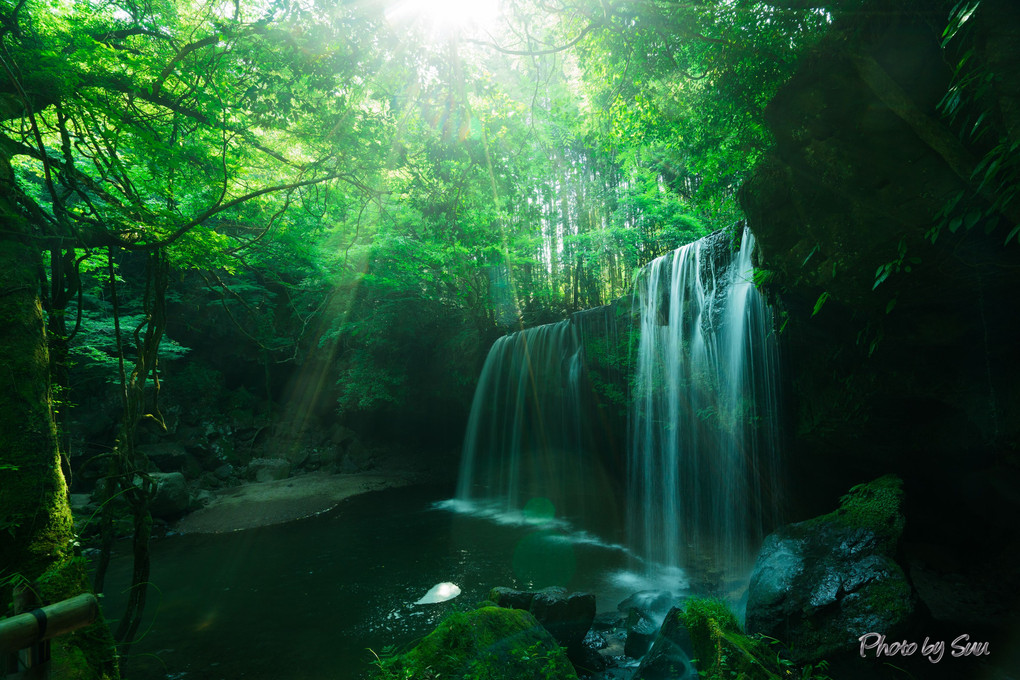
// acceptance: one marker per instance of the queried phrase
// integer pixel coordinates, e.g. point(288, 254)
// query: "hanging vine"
point(126, 474)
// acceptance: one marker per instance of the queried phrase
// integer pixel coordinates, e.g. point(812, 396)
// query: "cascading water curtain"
point(702, 476)
point(523, 439)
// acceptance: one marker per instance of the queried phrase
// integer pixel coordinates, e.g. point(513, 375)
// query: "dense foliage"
point(296, 152)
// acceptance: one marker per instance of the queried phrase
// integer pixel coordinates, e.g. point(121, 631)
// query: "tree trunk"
point(36, 528)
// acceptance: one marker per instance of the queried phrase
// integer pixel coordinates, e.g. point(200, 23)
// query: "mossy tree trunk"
point(36, 527)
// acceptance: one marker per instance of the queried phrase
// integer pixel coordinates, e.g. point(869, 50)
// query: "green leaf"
point(972, 218)
point(977, 123)
point(820, 302)
point(883, 277)
point(953, 201)
point(1011, 234)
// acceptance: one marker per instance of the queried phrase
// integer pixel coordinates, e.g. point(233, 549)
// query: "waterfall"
point(524, 438)
point(698, 483)
point(702, 474)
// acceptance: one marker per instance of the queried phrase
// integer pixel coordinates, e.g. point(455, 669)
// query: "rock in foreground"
point(670, 655)
point(821, 584)
point(491, 643)
point(567, 616)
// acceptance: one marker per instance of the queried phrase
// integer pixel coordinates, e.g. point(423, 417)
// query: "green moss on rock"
point(893, 597)
point(490, 643)
point(721, 648)
point(875, 506)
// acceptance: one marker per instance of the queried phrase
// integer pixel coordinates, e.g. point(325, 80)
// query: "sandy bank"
point(263, 503)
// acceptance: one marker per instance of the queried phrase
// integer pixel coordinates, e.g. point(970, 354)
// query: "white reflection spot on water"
point(441, 592)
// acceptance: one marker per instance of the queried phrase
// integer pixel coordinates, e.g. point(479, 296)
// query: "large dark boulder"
point(644, 611)
point(511, 598)
point(171, 498)
point(821, 584)
point(670, 655)
point(641, 632)
point(566, 616)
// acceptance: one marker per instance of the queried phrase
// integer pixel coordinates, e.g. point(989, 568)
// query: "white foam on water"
point(567, 533)
point(655, 577)
point(499, 515)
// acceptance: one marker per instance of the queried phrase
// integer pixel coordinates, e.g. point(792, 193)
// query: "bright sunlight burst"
point(446, 17)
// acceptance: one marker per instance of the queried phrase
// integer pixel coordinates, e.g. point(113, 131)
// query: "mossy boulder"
point(491, 643)
point(670, 655)
point(821, 584)
point(567, 616)
point(707, 629)
point(876, 507)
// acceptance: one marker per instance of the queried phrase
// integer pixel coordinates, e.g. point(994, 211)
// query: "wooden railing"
point(24, 639)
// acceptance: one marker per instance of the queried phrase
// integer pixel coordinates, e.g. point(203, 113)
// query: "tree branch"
point(126, 86)
point(220, 207)
point(157, 84)
point(536, 53)
point(938, 137)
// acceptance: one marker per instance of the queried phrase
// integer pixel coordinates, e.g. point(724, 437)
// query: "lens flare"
point(446, 17)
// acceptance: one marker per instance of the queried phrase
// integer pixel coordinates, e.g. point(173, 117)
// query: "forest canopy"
point(482, 161)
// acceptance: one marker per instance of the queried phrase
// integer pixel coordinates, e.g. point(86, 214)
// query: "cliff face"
point(919, 374)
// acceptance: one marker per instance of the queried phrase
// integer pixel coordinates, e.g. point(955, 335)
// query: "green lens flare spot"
point(543, 559)
point(539, 510)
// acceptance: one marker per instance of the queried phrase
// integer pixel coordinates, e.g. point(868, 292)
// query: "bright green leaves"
point(882, 273)
point(820, 302)
point(93, 354)
point(203, 247)
point(901, 263)
point(179, 112)
point(680, 89)
point(958, 16)
point(970, 106)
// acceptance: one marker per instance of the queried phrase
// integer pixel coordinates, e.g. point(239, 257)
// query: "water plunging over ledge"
point(702, 470)
point(701, 485)
point(526, 439)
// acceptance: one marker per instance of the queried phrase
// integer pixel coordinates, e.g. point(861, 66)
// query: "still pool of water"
point(309, 599)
